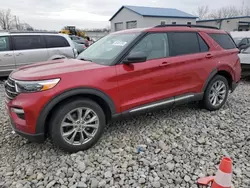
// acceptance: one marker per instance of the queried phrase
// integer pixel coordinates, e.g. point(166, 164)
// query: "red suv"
point(124, 73)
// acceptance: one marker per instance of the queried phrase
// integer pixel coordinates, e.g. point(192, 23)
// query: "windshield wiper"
point(83, 59)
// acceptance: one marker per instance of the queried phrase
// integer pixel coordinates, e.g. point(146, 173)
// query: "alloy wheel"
point(79, 126)
point(217, 93)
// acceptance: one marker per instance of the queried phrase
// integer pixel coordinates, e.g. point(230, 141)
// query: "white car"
point(245, 61)
point(22, 48)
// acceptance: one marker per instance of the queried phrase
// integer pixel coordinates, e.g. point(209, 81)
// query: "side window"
point(154, 45)
point(56, 41)
point(4, 44)
point(203, 45)
point(224, 40)
point(27, 42)
point(244, 41)
point(182, 43)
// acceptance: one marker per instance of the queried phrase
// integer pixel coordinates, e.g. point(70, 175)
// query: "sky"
point(55, 14)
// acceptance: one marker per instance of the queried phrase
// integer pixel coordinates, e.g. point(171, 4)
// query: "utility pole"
point(16, 22)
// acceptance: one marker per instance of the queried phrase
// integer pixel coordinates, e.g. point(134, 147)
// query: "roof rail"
point(52, 32)
point(187, 25)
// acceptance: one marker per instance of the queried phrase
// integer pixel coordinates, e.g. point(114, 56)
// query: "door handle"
point(7, 55)
point(163, 64)
point(209, 56)
point(19, 54)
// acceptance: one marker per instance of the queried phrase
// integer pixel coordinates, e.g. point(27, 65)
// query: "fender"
point(40, 125)
point(211, 75)
point(227, 69)
point(215, 71)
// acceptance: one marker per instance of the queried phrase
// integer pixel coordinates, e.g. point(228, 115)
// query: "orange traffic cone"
point(223, 177)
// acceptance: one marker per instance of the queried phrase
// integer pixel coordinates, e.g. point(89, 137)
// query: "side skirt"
point(167, 103)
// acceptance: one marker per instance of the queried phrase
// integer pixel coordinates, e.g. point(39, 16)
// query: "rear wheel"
point(216, 93)
point(77, 125)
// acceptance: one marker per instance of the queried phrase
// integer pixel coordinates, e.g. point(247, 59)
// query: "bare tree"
point(6, 19)
point(202, 12)
point(225, 12)
point(25, 27)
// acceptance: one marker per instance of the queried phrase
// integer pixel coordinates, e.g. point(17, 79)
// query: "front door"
point(29, 49)
point(149, 81)
point(7, 60)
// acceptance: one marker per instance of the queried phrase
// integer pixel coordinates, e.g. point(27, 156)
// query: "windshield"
point(105, 50)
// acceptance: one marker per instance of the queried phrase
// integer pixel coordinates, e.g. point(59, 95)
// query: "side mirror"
point(137, 57)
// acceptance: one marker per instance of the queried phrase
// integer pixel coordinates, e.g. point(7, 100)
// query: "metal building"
point(240, 23)
point(128, 17)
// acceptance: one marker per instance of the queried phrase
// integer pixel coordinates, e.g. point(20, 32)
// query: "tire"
point(208, 101)
point(77, 108)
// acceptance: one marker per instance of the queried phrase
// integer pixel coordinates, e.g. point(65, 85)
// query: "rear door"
point(58, 45)
point(29, 49)
point(7, 60)
point(192, 61)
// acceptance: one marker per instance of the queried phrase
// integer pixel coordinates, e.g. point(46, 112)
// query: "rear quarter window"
point(224, 40)
point(56, 41)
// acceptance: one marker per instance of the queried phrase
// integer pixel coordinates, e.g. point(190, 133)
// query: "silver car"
point(23, 48)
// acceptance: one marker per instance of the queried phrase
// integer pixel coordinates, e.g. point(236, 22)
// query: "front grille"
point(10, 89)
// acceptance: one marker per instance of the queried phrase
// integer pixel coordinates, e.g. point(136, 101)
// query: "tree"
point(25, 27)
point(202, 12)
point(225, 12)
point(6, 19)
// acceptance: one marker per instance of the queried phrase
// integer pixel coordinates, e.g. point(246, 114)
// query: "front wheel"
point(77, 125)
point(216, 93)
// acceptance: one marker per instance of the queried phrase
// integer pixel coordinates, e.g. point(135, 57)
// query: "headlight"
point(34, 86)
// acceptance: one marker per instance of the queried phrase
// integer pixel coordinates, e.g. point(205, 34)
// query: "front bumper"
point(31, 137)
point(39, 138)
point(30, 105)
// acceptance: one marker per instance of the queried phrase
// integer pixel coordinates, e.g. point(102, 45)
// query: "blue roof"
point(218, 19)
point(157, 12)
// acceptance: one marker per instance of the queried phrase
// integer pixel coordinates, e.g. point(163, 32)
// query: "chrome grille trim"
point(10, 84)
point(10, 89)
point(11, 92)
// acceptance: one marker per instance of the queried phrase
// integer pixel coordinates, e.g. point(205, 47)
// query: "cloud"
point(55, 14)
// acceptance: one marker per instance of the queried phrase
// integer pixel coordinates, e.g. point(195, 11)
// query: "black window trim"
point(232, 40)
point(14, 46)
point(46, 42)
point(197, 33)
point(127, 50)
point(131, 46)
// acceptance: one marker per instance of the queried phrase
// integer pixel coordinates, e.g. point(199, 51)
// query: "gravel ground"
point(175, 148)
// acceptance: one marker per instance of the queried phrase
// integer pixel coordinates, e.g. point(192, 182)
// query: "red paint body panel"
point(128, 86)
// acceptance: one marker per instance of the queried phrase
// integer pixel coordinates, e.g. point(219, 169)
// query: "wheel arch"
point(226, 72)
point(96, 95)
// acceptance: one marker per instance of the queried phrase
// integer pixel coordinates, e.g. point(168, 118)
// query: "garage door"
point(131, 24)
point(118, 26)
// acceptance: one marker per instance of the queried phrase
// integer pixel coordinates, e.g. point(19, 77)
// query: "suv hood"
point(52, 69)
